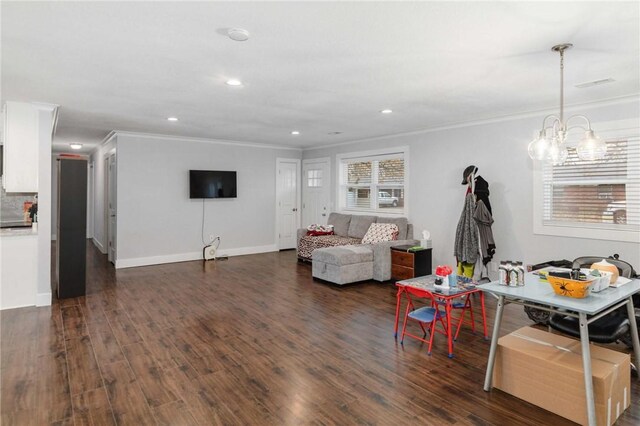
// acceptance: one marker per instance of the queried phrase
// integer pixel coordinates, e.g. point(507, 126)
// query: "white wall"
point(158, 223)
point(499, 150)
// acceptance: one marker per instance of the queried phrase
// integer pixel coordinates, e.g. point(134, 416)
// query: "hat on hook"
point(467, 172)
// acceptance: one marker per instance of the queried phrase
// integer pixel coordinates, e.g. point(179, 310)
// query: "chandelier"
point(550, 146)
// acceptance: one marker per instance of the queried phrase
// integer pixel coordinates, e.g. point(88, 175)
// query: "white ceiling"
point(314, 67)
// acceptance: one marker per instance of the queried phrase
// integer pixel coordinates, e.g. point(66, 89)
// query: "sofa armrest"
point(382, 257)
point(301, 232)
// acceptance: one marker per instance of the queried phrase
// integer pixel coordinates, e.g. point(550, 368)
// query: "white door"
point(315, 191)
point(287, 217)
point(111, 208)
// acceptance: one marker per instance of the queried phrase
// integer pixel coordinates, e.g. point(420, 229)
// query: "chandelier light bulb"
point(557, 154)
point(591, 147)
point(539, 147)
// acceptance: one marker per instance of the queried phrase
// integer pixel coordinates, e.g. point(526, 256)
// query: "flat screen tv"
point(212, 184)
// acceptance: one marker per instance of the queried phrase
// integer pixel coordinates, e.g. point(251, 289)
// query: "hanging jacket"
point(484, 220)
point(482, 192)
point(466, 243)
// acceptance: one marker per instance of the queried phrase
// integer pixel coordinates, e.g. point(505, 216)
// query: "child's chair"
point(426, 315)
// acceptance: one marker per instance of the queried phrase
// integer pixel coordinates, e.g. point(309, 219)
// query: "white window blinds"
point(373, 183)
point(595, 194)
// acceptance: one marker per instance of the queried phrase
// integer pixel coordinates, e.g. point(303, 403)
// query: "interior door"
point(112, 208)
point(287, 202)
point(316, 188)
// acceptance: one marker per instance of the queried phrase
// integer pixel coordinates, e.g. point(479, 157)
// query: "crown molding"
point(498, 119)
point(201, 140)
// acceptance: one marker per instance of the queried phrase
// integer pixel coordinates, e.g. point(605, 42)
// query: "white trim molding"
point(188, 257)
point(43, 299)
point(203, 140)
point(99, 245)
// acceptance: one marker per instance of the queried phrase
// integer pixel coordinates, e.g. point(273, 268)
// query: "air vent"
point(594, 83)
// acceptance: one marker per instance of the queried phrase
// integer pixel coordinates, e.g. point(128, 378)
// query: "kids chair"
point(426, 315)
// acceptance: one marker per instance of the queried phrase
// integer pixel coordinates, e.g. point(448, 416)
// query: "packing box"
point(546, 370)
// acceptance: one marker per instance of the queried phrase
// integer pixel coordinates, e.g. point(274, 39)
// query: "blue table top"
point(541, 292)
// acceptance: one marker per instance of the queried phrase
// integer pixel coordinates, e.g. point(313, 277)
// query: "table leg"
point(634, 331)
point(494, 344)
point(398, 303)
point(484, 315)
point(586, 366)
point(449, 331)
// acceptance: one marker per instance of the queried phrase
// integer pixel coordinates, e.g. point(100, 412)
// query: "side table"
point(407, 263)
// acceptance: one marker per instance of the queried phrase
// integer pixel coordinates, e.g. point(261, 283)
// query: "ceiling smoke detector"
point(238, 34)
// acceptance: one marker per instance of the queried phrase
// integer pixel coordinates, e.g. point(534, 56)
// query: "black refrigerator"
point(71, 232)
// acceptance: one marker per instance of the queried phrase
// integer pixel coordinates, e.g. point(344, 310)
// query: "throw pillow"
point(315, 230)
point(379, 232)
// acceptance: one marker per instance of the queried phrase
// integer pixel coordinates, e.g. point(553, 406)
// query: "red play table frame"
point(424, 287)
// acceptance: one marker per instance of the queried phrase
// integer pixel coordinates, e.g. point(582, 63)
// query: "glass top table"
point(595, 305)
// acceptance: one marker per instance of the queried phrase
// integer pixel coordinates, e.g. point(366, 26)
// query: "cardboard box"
point(546, 370)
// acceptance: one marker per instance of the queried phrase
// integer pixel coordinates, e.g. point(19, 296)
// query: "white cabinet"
point(20, 147)
point(26, 125)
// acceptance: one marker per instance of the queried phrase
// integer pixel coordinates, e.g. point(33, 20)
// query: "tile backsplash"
point(12, 205)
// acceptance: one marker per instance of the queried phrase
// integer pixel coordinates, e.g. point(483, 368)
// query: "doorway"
point(316, 177)
point(287, 202)
point(111, 206)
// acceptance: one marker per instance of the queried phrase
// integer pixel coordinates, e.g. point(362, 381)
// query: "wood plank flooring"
point(248, 341)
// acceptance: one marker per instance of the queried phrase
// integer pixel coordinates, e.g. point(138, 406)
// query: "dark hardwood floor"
point(251, 341)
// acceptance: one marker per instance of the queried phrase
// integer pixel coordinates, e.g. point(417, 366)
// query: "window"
point(314, 178)
point(373, 181)
point(592, 199)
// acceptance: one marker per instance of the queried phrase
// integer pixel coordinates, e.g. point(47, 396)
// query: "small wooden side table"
point(406, 263)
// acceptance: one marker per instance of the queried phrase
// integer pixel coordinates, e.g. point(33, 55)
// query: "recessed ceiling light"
point(386, 111)
point(334, 133)
point(238, 34)
point(295, 133)
point(234, 82)
point(75, 145)
point(172, 118)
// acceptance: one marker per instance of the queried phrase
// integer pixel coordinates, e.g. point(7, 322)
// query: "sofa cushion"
point(379, 232)
point(360, 225)
point(402, 225)
point(340, 223)
point(307, 244)
point(343, 255)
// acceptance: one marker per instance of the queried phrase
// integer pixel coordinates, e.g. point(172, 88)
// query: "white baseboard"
point(43, 299)
point(15, 307)
point(186, 257)
point(99, 245)
point(248, 250)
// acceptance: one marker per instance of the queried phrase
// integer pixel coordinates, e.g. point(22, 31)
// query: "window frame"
point(365, 155)
point(607, 130)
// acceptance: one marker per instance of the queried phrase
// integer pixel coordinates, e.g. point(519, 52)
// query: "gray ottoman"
point(342, 264)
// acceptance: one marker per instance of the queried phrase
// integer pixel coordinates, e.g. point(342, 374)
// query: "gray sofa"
point(333, 262)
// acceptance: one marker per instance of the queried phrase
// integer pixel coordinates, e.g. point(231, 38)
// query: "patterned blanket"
point(309, 243)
